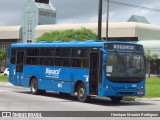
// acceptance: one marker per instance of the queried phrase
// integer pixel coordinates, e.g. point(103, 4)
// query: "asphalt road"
point(14, 98)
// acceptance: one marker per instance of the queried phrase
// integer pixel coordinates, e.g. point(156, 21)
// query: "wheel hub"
point(81, 92)
point(34, 87)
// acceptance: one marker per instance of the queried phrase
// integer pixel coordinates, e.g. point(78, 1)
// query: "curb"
point(147, 99)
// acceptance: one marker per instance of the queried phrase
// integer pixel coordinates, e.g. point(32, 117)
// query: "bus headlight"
point(141, 88)
point(108, 87)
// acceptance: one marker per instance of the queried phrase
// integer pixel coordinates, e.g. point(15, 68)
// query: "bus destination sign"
point(123, 47)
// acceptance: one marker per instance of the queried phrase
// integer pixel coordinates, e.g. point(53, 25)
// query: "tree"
point(150, 57)
point(68, 35)
point(2, 56)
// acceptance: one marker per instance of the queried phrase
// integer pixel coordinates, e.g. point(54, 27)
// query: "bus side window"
point(47, 52)
point(32, 57)
point(80, 57)
point(47, 56)
point(13, 56)
point(76, 63)
point(63, 52)
point(80, 52)
point(85, 63)
point(62, 57)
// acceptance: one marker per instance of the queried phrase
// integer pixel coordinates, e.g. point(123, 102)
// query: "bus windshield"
point(125, 65)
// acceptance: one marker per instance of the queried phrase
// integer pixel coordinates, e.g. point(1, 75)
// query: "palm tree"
point(150, 57)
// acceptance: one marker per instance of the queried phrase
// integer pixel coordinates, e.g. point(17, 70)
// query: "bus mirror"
point(145, 62)
point(104, 58)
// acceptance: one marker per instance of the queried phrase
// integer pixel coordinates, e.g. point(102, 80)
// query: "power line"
point(135, 6)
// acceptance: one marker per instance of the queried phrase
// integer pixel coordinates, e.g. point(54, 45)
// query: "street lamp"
point(100, 20)
point(107, 20)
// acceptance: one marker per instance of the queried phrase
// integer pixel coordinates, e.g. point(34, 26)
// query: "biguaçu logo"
point(52, 73)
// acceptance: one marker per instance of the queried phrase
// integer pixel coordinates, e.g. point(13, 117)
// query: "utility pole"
point(107, 20)
point(100, 20)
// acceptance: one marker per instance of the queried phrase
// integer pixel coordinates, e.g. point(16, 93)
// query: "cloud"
point(11, 11)
point(81, 11)
point(123, 13)
point(87, 11)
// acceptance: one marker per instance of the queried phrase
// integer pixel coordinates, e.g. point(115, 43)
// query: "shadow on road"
point(93, 100)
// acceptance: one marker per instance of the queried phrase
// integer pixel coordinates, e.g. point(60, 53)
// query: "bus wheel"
point(116, 99)
point(34, 86)
point(81, 93)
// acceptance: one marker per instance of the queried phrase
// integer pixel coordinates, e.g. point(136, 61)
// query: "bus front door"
point(93, 74)
point(19, 66)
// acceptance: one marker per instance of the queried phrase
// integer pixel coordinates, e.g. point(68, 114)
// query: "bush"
point(68, 35)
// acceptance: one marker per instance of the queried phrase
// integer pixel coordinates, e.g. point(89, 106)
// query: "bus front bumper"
point(112, 92)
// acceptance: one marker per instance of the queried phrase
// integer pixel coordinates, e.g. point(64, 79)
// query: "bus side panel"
point(12, 74)
point(46, 84)
point(63, 81)
point(55, 85)
point(69, 76)
point(25, 82)
point(56, 79)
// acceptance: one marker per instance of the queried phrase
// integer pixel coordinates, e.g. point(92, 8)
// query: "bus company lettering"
point(53, 73)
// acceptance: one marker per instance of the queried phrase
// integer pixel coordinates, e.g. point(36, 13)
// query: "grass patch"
point(3, 78)
point(152, 87)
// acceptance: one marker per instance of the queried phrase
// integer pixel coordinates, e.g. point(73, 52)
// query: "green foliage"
point(150, 57)
point(2, 55)
point(68, 35)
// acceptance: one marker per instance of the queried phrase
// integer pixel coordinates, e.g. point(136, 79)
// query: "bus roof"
point(88, 43)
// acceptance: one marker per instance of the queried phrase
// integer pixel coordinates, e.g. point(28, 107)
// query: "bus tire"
point(116, 99)
point(34, 86)
point(81, 93)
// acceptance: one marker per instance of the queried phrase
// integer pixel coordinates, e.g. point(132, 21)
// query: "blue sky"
point(81, 11)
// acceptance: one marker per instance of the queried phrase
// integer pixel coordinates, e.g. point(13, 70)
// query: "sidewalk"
point(148, 99)
point(5, 83)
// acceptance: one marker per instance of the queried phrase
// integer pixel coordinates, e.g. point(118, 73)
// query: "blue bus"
point(89, 68)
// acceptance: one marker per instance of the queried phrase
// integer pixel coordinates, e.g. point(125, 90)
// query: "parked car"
point(6, 72)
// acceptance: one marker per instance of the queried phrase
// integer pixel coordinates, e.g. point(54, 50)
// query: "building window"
point(29, 32)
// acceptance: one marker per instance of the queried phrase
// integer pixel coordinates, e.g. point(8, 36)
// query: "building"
point(36, 12)
point(119, 31)
point(139, 19)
